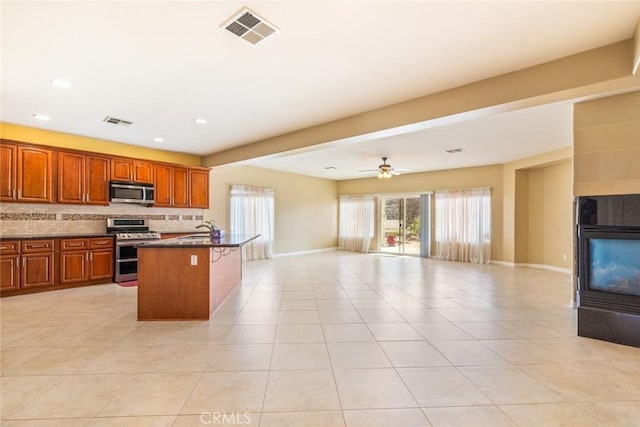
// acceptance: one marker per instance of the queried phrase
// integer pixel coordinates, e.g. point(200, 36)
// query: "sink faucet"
point(209, 225)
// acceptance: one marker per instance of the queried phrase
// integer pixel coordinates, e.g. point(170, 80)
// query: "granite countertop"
point(201, 240)
point(54, 236)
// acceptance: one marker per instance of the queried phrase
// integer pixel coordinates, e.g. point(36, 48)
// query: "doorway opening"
point(401, 219)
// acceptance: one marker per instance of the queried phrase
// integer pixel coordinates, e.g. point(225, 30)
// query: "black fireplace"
point(608, 261)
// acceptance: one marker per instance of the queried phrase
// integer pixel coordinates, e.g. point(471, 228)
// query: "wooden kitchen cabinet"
point(8, 159)
point(26, 174)
point(171, 186)
point(86, 259)
point(101, 258)
point(83, 179)
point(9, 265)
point(131, 170)
point(198, 188)
point(38, 266)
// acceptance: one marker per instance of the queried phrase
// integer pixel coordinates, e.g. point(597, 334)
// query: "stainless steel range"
point(128, 233)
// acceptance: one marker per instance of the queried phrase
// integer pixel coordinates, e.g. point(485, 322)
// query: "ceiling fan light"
point(384, 174)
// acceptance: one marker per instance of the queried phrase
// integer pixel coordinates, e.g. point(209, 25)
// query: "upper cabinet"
point(8, 185)
point(36, 174)
point(83, 179)
point(25, 174)
point(171, 186)
point(131, 170)
point(198, 188)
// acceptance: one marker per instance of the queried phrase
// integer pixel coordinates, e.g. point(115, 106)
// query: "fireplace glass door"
point(614, 266)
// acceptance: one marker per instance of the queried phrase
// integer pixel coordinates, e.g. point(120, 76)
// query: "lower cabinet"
point(38, 263)
point(86, 259)
point(10, 266)
point(34, 264)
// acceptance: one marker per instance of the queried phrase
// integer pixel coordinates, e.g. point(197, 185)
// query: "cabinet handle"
point(74, 244)
point(24, 262)
point(39, 246)
point(91, 256)
point(100, 243)
point(17, 262)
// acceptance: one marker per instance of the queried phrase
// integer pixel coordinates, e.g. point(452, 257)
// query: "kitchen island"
point(188, 277)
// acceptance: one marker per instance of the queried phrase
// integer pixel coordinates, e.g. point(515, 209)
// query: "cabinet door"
point(74, 266)
point(143, 172)
point(181, 187)
point(121, 170)
point(199, 189)
point(9, 273)
point(8, 155)
point(162, 183)
point(34, 175)
point(97, 180)
point(71, 178)
point(37, 270)
point(101, 264)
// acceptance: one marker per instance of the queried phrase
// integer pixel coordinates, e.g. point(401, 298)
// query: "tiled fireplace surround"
point(29, 219)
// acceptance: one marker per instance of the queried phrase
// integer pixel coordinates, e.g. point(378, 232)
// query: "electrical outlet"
point(194, 259)
point(564, 257)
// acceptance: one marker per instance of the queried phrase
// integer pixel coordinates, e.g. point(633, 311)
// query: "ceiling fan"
point(385, 170)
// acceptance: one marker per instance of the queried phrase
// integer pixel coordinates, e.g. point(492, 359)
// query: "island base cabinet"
point(185, 283)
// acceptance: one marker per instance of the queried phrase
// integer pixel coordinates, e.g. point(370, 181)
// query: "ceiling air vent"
point(115, 121)
point(250, 27)
point(455, 150)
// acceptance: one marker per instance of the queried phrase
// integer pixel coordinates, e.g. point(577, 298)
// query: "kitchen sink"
point(195, 237)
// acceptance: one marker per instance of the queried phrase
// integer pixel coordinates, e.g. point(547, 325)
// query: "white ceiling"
point(163, 64)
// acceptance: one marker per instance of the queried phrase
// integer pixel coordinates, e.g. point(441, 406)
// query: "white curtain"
point(252, 211)
point(356, 223)
point(463, 225)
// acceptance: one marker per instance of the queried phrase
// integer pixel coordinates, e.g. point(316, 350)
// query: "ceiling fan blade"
point(395, 172)
point(369, 170)
point(402, 170)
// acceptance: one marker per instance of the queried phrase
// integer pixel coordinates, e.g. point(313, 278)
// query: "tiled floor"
point(328, 339)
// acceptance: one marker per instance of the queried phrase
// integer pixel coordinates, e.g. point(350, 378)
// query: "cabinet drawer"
point(73, 244)
point(10, 247)
point(35, 246)
point(101, 242)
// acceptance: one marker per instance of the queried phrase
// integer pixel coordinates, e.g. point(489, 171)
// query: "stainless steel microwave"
point(131, 192)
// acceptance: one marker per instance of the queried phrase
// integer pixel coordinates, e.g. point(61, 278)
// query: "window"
point(252, 212)
point(463, 225)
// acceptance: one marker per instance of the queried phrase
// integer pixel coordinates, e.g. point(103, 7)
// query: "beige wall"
point(607, 145)
point(306, 208)
point(548, 216)
point(481, 176)
point(515, 203)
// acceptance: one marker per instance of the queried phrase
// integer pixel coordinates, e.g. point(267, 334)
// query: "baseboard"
point(311, 251)
point(503, 263)
point(536, 266)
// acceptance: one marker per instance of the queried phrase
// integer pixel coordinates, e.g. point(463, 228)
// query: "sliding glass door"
point(400, 225)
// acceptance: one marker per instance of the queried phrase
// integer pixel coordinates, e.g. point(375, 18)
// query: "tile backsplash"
point(31, 219)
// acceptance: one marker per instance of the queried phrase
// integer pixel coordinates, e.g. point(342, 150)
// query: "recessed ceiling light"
point(156, 139)
point(60, 83)
point(200, 121)
point(41, 116)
